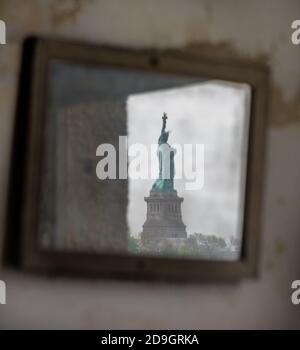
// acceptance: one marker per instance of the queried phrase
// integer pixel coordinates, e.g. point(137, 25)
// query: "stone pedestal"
point(164, 221)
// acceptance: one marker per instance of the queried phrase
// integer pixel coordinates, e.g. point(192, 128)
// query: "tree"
point(133, 244)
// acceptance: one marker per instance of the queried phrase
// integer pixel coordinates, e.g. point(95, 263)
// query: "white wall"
point(250, 29)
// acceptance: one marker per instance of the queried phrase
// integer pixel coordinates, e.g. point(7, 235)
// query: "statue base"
point(164, 220)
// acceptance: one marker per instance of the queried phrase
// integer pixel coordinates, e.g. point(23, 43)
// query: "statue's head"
point(163, 138)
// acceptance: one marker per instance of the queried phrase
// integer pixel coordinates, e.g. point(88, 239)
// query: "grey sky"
point(212, 113)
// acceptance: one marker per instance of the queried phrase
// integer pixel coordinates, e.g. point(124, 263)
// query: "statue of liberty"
point(165, 153)
point(163, 223)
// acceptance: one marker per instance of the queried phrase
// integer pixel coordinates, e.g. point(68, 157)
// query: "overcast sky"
point(215, 114)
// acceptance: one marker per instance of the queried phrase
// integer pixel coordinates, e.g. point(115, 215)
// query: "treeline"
point(211, 247)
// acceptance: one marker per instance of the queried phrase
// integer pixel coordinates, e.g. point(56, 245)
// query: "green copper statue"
point(165, 153)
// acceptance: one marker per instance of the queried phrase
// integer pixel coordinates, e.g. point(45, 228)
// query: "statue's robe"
point(165, 181)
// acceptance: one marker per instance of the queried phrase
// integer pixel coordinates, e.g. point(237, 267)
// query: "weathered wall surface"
point(251, 29)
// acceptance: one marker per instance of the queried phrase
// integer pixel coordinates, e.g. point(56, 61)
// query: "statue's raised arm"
point(163, 138)
point(164, 118)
